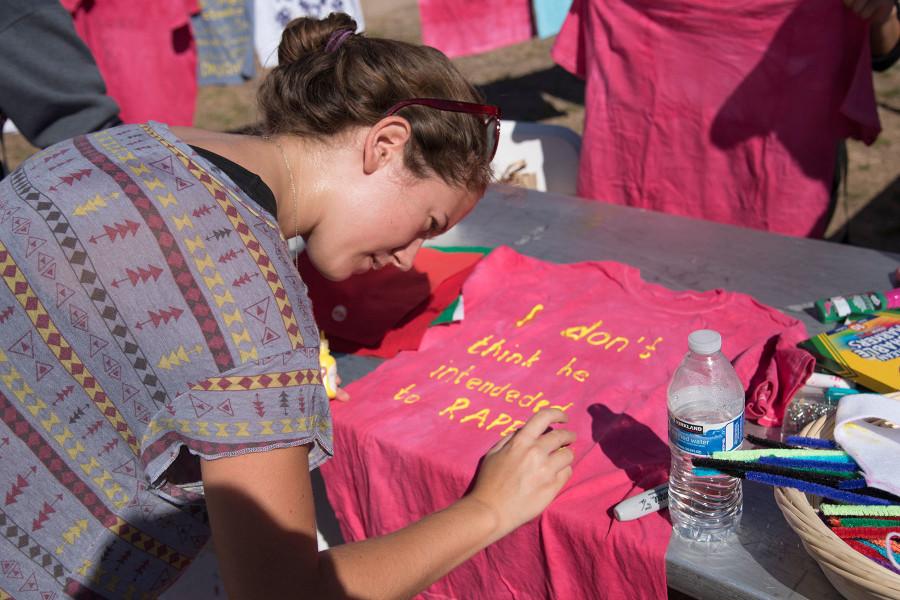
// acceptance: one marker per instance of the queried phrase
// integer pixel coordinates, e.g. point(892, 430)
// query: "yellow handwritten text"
point(453, 375)
point(569, 370)
point(501, 354)
point(480, 417)
point(406, 396)
point(594, 336)
point(534, 311)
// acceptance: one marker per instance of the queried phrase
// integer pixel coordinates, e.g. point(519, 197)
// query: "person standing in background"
point(51, 88)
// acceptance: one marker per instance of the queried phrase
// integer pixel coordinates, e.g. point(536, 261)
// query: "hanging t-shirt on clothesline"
point(271, 17)
point(728, 115)
point(146, 54)
point(462, 28)
point(591, 338)
point(224, 34)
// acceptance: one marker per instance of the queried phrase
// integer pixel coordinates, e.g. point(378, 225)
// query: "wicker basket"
point(854, 575)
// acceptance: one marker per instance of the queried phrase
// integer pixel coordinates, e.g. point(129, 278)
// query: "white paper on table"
point(875, 448)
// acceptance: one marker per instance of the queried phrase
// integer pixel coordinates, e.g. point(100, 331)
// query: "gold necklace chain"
point(293, 189)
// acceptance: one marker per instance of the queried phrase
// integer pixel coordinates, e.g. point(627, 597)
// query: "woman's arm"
point(263, 520)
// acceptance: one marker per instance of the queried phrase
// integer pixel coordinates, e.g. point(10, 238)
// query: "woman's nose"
point(404, 257)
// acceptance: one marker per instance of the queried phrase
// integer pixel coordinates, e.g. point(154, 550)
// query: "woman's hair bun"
point(304, 35)
point(328, 81)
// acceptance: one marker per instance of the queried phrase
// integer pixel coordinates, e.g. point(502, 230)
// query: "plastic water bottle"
point(706, 415)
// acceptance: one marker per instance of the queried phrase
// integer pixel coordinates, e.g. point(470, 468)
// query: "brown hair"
point(314, 93)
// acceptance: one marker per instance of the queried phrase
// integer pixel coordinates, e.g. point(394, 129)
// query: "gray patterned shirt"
point(147, 305)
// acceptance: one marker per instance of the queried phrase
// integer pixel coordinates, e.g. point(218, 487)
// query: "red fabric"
point(398, 458)
point(772, 373)
point(381, 313)
point(461, 27)
point(729, 115)
point(146, 54)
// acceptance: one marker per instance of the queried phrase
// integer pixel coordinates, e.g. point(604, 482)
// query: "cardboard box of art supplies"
point(866, 351)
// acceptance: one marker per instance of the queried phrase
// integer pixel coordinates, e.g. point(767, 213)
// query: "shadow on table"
point(522, 98)
point(326, 520)
point(631, 446)
point(877, 225)
point(773, 543)
point(764, 537)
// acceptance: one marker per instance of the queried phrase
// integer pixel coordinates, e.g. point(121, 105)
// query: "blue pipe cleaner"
point(815, 488)
point(830, 464)
point(811, 442)
point(874, 546)
point(852, 484)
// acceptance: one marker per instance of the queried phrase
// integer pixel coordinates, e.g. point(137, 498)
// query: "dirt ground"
point(526, 83)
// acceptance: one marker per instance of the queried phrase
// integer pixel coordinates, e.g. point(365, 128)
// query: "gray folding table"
point(767, 560)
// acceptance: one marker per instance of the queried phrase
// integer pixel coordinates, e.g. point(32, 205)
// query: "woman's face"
point(384, 224)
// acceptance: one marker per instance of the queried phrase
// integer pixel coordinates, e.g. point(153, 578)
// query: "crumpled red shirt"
point(381, 313)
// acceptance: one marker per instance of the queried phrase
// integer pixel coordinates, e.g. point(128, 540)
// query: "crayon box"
point(866, 351)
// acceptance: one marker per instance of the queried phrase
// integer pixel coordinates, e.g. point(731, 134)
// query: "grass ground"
point(524, 80)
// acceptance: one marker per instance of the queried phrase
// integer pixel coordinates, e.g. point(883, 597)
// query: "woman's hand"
point(340, 393)
point(522, 473)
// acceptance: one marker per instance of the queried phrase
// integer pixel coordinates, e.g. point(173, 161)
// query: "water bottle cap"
point(705, 341)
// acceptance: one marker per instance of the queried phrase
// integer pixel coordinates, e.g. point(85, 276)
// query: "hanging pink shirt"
point(462, 27)
point(591, 338)
point(731, 113)
point(146, 54)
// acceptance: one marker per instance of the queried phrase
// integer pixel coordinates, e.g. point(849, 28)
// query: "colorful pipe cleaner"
point(868, 551)
point(862, 522)
point(810, 442)
point(833, 455)
point(867, 519)
point(814, 463)
point(817, 489)
point(811, 475)
point(767, 443)
point(843, 510)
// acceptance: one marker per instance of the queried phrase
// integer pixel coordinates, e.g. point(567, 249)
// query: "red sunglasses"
point(490, 113)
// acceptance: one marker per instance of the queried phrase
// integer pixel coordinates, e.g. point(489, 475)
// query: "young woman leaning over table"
point(156, 335)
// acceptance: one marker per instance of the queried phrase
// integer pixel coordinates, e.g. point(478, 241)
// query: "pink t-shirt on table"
point(591, 338)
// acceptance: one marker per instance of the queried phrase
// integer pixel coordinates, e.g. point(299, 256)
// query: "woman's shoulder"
point(233, 146)
point(241, 149)
point(199, 137)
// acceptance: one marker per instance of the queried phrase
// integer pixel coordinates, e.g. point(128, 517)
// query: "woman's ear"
point(385, 143)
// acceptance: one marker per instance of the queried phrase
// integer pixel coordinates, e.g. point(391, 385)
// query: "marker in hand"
point(643, 504)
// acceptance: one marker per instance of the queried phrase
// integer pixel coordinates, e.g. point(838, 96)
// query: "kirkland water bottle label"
point(703, 440)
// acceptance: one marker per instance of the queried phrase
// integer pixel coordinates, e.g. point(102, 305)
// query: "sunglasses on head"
point(490, 114)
